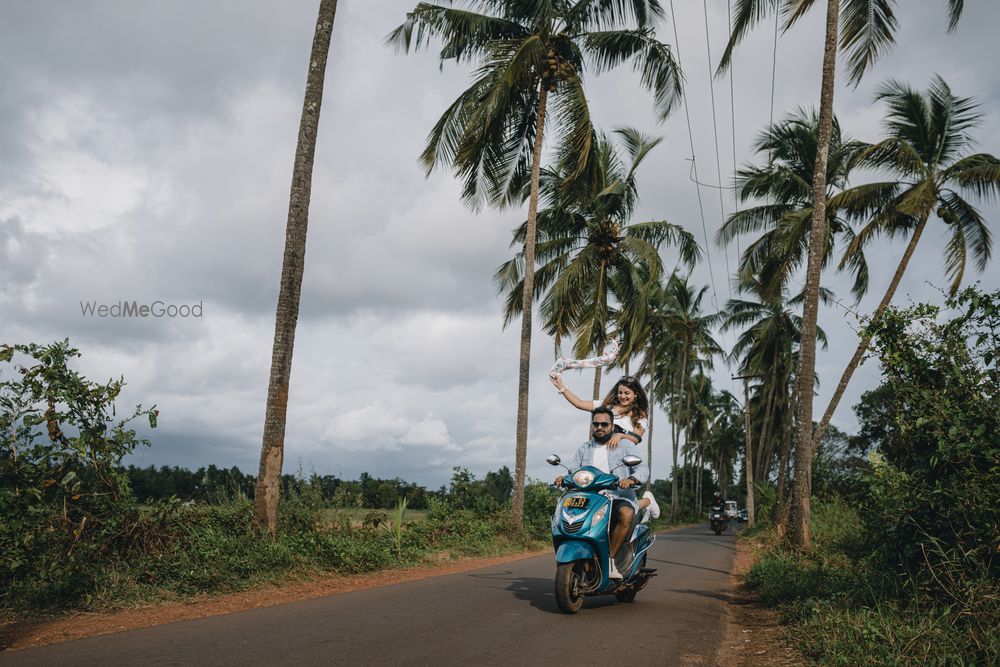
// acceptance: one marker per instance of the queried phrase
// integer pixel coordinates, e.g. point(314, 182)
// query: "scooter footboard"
point(575, 550)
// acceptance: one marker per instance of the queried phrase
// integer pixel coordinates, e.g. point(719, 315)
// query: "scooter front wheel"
point(569, 597)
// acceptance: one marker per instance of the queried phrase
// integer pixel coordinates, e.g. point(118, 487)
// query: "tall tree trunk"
point(748, 459)
point(272, 452)
point(722, 475)
point(780, 502)
point(652, 408)
point(686, 489)
point(521, 442)
point(675, 445)
point(865, 339)
point(700, 472)
point(597, 384)
point(802, 489)
point(686, 379)
point(765, 450)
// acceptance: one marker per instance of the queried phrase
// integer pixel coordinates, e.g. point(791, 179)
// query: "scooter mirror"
point(631, 460)
point(553, 460)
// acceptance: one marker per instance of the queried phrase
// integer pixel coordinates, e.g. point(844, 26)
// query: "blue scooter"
point(581, 535)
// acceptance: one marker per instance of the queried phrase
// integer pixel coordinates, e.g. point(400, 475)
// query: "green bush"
point(932, 510)
point(539, 504)
point(64, 501)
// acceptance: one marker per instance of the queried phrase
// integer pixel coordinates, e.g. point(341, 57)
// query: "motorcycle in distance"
point(718, 519)
point(581, 536)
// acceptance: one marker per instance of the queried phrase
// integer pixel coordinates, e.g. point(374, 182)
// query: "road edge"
point(753, 635)
point(23, 635)
point(19, 636)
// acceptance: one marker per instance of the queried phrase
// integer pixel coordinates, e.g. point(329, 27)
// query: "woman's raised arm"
point(573, 399)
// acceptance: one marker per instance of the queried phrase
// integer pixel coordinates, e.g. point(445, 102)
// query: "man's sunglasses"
point(601, 424)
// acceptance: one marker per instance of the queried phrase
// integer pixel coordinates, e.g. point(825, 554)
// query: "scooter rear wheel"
point(568, 594)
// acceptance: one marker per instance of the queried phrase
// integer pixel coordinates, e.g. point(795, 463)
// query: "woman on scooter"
point(627, 400)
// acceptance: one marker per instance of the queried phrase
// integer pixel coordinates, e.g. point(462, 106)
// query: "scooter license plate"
point(576, 501)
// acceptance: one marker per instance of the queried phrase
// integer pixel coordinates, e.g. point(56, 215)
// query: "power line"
point(694, 163)
point(774, 68)
point(732, 118)
point(693, 179)
point(715, 130)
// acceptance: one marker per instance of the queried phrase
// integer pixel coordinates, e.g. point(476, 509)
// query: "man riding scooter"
point(596, 453)
point(718, 519)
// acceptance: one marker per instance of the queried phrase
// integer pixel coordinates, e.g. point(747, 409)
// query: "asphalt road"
point(498, 615)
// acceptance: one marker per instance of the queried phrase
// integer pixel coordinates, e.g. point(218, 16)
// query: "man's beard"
point(603, 438)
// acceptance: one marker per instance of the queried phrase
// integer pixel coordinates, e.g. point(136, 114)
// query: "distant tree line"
point(212, 484)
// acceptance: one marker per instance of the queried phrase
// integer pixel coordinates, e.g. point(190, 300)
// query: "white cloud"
point(429, 432)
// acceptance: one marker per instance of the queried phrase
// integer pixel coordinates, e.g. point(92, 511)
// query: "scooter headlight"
point(600, 514)
point(583, 478)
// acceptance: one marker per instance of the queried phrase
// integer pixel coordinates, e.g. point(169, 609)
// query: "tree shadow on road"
point(697, 567)
point(710, 539)
point(724, 596)
point(538, 592)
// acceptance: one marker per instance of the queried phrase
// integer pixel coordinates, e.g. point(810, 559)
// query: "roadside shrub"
point(539, 504)
point(932, 512)
point(906, 572)
point(64, 502)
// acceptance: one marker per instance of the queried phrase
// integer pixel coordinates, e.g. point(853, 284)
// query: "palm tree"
point(726, 437)
point(268, 493)
point(868, 31)
point(928, 148)
point(784, 186)
point(652, 341)
point(593, 263)
point(767, 349)
point(530, 56)
point(695, 348)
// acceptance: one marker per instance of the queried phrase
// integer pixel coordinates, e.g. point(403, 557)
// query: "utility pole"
point(748, 459)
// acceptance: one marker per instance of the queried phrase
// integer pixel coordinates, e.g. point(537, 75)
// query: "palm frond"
point(588, 15)
point(856, 263)
point(862, 201)
point(661, 232)
point(793, 10)
point(979, 173)
point(499, 126)
point(958, 212)
point(751, 220)
point(954, 13)
point(637, 145)
point(652, 59)
point(748, 13)
point(572, 118)
point(465, 35)
point(950, 119)
point(866, 32)
point(894, 154)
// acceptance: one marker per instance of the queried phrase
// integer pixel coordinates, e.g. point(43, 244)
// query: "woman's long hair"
point(640, 406)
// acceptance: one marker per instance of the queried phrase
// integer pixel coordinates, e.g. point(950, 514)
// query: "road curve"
point(500, 615)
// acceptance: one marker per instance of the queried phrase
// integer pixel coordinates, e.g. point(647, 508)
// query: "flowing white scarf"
point(564, 363)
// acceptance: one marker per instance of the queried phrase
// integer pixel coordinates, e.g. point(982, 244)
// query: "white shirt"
point(601, 459)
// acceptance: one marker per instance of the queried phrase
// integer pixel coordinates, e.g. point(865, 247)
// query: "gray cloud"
point(147, 156)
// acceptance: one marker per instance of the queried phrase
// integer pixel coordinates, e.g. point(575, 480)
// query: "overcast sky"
point(146, 155)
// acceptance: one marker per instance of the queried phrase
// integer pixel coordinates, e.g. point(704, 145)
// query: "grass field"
point(358, 516)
